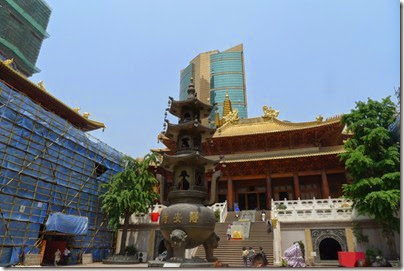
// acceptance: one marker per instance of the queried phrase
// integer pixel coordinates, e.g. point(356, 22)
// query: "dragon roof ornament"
point(269, 113)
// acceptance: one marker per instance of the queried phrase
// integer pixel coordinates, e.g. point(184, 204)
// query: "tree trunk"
point(124, 234)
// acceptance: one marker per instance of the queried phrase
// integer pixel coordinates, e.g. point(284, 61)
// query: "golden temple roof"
point(39, 94)
point(263, 125)
point(281, 154)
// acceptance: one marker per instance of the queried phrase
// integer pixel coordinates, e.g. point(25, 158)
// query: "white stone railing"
point(222, 206)
point(338, 209)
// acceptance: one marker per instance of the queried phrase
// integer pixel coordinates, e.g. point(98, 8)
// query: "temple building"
point(266, 158)
point(294, 171)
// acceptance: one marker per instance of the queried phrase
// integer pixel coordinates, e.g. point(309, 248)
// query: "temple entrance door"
point(329, 248)
point(252, 201)
point(241, 202)
point(262, 201)
point(283, 195)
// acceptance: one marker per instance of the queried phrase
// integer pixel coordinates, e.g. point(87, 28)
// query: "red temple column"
point(296, 185)
point(230, 193)
point(325, 189)
point(269, 191)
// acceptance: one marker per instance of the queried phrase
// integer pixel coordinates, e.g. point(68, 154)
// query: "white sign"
point(313, 254)
point(22, 209)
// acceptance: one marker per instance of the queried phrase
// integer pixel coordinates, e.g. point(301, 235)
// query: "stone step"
point(229, 251)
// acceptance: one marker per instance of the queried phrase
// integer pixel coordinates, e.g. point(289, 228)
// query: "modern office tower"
point(22, 29)
point(216, 73)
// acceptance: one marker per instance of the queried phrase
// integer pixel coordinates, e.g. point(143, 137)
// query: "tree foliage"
point(373, 161)
point(129, 191)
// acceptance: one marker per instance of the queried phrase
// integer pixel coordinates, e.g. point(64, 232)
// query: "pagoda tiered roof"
point(191, 127)
point(176, 106)
point(194, 159)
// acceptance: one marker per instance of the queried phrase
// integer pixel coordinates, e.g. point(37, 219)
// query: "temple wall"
point(377, 240)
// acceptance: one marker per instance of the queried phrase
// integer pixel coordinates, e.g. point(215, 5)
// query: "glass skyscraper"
point(22, 29)
point(216, 73)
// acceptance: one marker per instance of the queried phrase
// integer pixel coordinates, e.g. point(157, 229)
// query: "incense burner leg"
point(178, 242)
point(210, 245)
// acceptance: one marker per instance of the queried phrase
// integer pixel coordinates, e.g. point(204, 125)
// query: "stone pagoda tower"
point(187, 222)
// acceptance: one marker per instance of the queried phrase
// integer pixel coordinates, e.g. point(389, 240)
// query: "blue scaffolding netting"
point(49, 166)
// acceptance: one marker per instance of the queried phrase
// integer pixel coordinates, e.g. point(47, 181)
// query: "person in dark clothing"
point(250, 257)
point(244, 254)
point(269, 226)
point(264, 256)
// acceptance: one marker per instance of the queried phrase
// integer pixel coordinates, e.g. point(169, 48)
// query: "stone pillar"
point(349, 239)
point(230, 200)
point(269, 191)
point(151, 244)
point(309, 247)
point(325, 189)
point(277, 244)
point(296, 185)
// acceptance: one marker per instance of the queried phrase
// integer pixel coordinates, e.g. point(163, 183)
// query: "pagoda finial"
point(191, 89)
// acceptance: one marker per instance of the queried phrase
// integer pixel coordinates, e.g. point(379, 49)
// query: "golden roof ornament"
point(217, 119)
point(8, 62)
point(231, 117)
point(86, 115)
point(269, 113)
point(42, 86)
point(319, 118)
point(227, 108)
point(76, 109)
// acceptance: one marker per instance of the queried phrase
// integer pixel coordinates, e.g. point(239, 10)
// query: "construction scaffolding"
point(49, 166)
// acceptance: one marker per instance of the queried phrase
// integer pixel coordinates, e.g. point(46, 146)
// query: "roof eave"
point(21, 84)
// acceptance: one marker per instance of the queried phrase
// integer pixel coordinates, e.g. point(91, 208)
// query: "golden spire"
point(217, 119)
point(226, 105)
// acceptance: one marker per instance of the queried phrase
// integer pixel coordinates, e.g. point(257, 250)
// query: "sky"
point(121, 59)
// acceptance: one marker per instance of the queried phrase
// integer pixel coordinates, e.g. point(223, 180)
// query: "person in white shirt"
point(57, 256)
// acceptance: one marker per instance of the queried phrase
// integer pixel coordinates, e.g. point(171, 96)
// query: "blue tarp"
point(70, 224)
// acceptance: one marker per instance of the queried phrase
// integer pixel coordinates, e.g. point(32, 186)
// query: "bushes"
point(131, 250)
point(371, 254)
point(217, 215)
point(281, 207)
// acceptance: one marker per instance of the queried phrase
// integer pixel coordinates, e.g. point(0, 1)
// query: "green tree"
point(129, 191)
point(373, 161)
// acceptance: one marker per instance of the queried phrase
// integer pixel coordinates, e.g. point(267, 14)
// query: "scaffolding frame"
point(48, 165)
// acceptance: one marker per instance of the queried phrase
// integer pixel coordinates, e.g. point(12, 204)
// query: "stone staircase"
point(229, 251)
